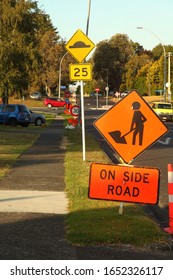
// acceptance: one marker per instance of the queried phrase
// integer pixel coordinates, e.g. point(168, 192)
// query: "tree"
point(148, 78)
point(113, 55)
point(29, 46)
point(17, 40)
point(134, 64)
point(103, 58)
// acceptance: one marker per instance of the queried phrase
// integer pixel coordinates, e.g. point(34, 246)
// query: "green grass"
point(92, 222)
point(15, 140)
point(28, 102)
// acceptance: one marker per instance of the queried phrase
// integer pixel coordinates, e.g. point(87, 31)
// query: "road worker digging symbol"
point(137, 127)
point(130, 126)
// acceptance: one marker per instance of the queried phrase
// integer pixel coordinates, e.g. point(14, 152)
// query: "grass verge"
point(15, 140)
point(93, 222)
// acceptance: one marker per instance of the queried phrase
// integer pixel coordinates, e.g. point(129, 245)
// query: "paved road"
point(29, 234)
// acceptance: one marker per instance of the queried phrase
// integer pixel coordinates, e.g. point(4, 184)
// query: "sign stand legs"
point(121, 208)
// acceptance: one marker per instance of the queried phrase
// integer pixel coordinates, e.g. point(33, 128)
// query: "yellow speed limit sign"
point(81, 72)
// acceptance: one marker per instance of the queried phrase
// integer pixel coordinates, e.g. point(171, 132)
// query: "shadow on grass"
point(106, 226)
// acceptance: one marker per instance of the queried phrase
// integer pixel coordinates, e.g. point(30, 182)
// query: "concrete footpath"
point(36, 182)
point(33, 208)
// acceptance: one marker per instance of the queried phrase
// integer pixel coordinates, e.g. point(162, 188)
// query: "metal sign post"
point(97, 97)
point(79, 46)
point(83, 121)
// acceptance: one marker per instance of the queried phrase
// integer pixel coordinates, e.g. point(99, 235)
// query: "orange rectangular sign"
point(124, 183)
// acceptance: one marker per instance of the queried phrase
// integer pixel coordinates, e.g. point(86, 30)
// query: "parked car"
point(122, 94)
point(54, 102)
point(94, 94)
point(164, 110)
point(14, 114)
point(37, 118)
point(36, 95)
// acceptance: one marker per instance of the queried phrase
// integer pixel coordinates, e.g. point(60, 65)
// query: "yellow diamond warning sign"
point(79, 46)
point(130, 126)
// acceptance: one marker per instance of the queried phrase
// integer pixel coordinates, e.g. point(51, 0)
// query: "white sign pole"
point(83, 121)
point(97, 100)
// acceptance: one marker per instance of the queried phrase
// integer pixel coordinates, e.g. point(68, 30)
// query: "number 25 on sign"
point(81, 72)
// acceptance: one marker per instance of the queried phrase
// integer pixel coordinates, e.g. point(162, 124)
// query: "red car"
point(54, 102)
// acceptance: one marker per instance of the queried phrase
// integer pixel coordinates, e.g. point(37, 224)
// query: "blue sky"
point(109, 17)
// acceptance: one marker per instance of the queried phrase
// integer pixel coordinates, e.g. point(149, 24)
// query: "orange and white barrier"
point(72, 123)
point(170, 194)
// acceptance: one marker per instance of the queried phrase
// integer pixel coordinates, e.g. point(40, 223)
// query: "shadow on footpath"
point(29, 236)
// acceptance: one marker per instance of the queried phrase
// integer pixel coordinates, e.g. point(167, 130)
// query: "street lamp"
point(81, 113)
point(88, 19)
point(59, 91)
point(169, 77)
point(164, 52)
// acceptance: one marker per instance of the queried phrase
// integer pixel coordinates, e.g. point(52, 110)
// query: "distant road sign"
point(124, 183)
point(67, 94)
point(74, 110)
point(130, 126)
point(80, 72)
point(79, 46)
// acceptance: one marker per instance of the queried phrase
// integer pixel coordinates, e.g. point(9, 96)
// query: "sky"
point(109, 17)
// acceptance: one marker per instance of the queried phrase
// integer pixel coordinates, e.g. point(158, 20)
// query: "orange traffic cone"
point(170, 193)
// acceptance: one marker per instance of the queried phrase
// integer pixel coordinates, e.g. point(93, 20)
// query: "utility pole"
point(107, 84)
point(169, 76)
point(164, 54)
point(88, 19)
point(60, 65)
point(81, 112)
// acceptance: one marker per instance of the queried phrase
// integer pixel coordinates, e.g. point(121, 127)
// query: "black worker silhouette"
point(137, 125)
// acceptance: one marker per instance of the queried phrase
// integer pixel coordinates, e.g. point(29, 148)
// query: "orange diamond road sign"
point(124, 183)
point(130, 126)
point(79, 46)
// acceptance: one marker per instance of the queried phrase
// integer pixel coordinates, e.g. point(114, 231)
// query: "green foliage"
point(112, 55)
point(140, 84)
point(28, 43)
point(89, 87)
point(157, 52)
point(125, 60)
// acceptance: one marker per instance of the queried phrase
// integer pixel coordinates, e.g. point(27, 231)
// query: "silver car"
point(37, 118)
point(35, 95)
